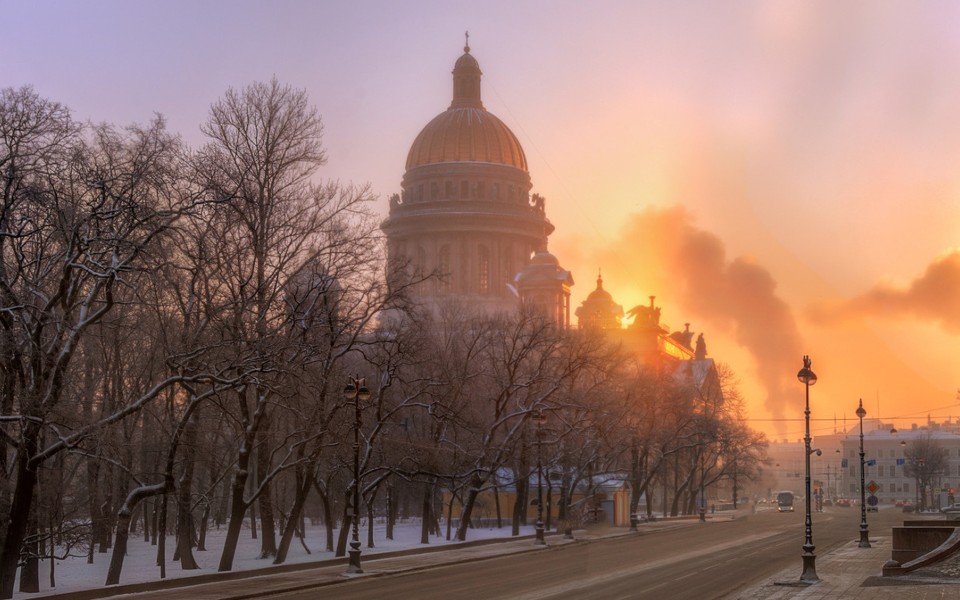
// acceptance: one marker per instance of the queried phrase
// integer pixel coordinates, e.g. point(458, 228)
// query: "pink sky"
point(802, 155)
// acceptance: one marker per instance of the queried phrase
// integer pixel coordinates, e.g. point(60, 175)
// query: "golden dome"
point(466, 132)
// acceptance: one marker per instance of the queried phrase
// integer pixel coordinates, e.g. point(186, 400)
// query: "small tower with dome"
point(599, 311)
point(543, 284)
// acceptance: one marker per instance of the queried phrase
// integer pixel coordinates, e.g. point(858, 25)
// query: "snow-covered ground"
point(75, 574)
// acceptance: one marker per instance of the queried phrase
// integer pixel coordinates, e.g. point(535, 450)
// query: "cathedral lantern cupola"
point(466, 81)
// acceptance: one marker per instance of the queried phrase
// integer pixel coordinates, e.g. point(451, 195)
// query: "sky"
point(780, 174)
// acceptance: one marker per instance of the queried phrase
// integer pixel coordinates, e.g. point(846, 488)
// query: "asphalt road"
point(691, 561)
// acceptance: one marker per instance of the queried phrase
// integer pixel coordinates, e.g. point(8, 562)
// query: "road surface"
point(692, 561)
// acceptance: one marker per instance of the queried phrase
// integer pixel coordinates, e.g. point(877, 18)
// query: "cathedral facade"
point(466, 219)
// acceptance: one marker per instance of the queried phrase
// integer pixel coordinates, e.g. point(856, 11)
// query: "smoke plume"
point(688, 269)
point(934, 296)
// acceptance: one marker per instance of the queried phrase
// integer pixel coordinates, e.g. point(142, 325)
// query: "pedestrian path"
point(851, 572)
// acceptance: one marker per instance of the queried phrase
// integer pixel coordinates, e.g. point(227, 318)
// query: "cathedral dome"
point(466, 132)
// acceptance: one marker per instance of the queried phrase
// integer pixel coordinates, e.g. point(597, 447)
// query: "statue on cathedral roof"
point(701, 351)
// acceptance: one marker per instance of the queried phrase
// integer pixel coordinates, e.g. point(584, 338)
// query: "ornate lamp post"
point(356, 391)
point(864, 534)
point(539, 539)
point(807, 377)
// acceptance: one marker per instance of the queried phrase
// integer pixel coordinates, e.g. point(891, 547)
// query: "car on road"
point(908, 507)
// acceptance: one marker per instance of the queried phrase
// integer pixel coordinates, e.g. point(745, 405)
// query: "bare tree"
point(926, 462)
point(81, 212)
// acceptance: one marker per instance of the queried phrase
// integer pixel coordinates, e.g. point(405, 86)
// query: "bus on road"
point(785, 501)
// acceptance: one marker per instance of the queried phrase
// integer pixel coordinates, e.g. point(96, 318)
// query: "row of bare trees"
point(177, 325)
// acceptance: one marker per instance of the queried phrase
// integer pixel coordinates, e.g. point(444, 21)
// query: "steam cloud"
point(689, 267)
point(934, 296)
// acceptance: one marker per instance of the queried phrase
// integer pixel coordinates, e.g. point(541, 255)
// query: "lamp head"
point(806, 374)
point(363, 393)
point(861, 412)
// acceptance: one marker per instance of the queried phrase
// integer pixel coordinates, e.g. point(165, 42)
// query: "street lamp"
point(864, 534)
point(807, 377)
point(539, 539)
point(356, 391)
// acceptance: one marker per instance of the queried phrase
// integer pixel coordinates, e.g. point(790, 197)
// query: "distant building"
point(837, 469)
point(466, 215)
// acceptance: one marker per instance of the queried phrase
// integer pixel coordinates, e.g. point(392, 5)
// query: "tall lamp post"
point(864, 533)
point(356, 391)
point(807, 377)
point(539, 540)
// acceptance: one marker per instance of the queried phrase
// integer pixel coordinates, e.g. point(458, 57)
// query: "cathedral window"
point(420, 192)
point(434, 191)
point(443, 265)
point(464, 189)
point(483, 270)
point(448, 191)
point(496, 191)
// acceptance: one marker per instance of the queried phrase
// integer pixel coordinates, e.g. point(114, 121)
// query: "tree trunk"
point(425, 515)
point(162, 537)
point(204, 523)
point(299, 500)
point(391, 511)
point(268, 539)
point(19, 511)
point(370, 520)
point(119, 551)
point(548, 509)
point(238, 510)
point(467, 512)
point(124, 516)
point(327, 515)
point(184, 498)
point(30, 571)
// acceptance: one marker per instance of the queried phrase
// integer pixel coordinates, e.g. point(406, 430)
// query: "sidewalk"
point(241, 585)
point(851, 572)
point(848, 572)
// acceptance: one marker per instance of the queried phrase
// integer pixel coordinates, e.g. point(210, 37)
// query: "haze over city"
point(781, 175)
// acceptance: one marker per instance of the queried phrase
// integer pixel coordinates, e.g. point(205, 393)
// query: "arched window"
point(443, 265)
point(483, 270)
